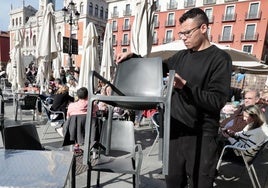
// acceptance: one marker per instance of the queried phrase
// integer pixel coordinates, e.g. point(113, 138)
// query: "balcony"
point(155, 41)
point(156, 24)
point(126, 27)
point(209, 2)
point(127, 12)
point(170, 23)
point(253, 16)
point(168, 39)
point(249, 37)
point(229, 17)
point(225, 38)
point(114, 28)
point(115, 14)
point(125, 42)
point(228, 1)
point(189, 3)
point(171, 6)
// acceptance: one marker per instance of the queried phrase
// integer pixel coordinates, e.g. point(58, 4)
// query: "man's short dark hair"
point(58, 80)
point(195, 13)
point(82, 93)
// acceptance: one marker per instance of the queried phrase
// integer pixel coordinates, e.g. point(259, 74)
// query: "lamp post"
point(71, 16)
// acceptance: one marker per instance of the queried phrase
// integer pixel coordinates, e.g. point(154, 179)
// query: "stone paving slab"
point(151, 176)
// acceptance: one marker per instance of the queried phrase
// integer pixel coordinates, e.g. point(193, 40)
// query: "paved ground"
point(151, 167)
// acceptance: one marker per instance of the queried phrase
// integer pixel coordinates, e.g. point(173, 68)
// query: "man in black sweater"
point(201, 89)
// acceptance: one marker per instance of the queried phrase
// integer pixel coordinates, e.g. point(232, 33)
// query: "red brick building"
point(240, 24)
point(4, 48)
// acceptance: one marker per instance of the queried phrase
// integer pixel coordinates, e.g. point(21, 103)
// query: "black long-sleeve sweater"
point(196, 108)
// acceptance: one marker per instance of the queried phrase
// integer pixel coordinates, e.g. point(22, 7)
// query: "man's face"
point(251, 98)
point(191, 32)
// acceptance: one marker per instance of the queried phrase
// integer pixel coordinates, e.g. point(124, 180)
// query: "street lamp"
point(71, 16)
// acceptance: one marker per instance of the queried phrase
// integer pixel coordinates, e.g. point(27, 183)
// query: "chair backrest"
point(23, 136)
point(140, 77)
point(29, 102)
point(122, 136)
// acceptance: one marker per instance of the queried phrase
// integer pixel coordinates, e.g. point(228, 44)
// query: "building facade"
point(29, 21)
point(240, 24)
point(4, 49)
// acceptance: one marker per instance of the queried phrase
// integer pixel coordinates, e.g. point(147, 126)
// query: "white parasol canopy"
point(46, 47)
point(239, 58)
point(18, 76)
point(107, 53)
point(89, 56)
point(143, 28)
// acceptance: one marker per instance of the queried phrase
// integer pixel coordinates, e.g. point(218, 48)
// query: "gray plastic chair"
point(124, 157)
point(138, 85)
point(241, 160)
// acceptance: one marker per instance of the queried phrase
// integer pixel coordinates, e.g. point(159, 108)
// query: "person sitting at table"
point(78, 108)
point(254, 134)
point(236, 122)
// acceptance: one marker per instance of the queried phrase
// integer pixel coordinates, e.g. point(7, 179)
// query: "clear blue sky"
point(6, 6)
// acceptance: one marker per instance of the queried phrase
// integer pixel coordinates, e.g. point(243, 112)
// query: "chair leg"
point(154, 144)
point(253, 177)
point(134, 180)
point(45, 130)
point(98, 179)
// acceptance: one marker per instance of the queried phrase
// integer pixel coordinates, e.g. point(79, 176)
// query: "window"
point(127, 11)
point(20, 21)
point(16, 21)
point(106, 14)
point(172, 4)
point(189, 3)
point(90, 9)
point(247, 48)
point(34, 40)
point(169, 36)
point(209, 13)
point(229, 13)
point(115, 12)
point(124, 49)
point(250, 32)
point(207, 2)
point(101, 12)
point(226, 34)
point(171, 20)
point(125, 40)
point(27, 42)
point(114, 25)
point(253, 11)
point(156, 23)
point(126, 25)
point(96, 10)
point(81, 8)
point(114, 40)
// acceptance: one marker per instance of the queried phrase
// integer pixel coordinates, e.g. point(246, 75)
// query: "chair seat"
point(113, 164)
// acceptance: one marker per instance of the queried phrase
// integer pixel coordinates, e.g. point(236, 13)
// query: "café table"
point(35, 168)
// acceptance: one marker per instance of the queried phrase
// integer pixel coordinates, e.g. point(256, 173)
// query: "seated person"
point(236, 122)
point(61, 100)
point(253, 135)
point(77, 108)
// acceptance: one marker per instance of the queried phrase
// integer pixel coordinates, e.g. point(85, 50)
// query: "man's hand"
point(179, 82)
point(122, 56)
